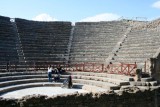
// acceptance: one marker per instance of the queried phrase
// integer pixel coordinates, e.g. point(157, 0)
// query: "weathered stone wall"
point(132, 97)
point(155, 67)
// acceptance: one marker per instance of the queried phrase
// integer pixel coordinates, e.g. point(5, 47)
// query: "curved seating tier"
point(139, 45)
point(42, 40)
point(93, 41)
point(88, 81)
point(8, 40)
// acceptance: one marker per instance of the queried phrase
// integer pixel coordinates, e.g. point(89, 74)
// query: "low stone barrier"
point(128, 97)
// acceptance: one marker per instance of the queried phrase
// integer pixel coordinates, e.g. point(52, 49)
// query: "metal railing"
point(123, 69)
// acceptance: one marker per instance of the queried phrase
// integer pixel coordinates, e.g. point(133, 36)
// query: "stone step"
point(103, 79)
point(22, 73)
point(9, 78)
point(43, 78)
point(5, 84)
point(104, 85)
point(22, 81)
point(21, 77)
point(147, 79)
point(113, 76)
point(43, 74)
point(140, 83)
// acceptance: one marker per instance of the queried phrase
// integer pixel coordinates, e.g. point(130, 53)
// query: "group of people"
point(56, 74)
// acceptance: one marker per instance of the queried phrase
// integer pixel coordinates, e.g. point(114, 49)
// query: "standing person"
point(50, 73)
point(67, 83)
point(70, 82)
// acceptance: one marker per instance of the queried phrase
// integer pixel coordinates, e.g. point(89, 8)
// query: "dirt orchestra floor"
point(49, 91)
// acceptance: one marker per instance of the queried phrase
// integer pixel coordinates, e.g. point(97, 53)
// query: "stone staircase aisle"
point(115, 50)
point(18, 44)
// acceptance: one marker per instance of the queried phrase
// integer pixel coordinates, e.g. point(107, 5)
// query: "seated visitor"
point(61, 70)
point(56, 75)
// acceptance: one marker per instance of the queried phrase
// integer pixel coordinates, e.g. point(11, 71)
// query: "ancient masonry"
point(116, 61)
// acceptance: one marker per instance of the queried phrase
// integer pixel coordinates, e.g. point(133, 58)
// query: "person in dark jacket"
point(68, 82)
point(56, 75)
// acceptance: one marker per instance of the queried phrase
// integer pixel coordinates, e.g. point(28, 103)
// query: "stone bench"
point(94, 79)
point(80, 62)
point(18, 80)
point(103, 79)
point(83, 59)
point(113, 76)
point(133, 54)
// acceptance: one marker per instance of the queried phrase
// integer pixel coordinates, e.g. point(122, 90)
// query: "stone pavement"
point(49, 91)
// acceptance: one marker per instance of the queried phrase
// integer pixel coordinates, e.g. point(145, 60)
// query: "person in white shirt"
point(50, 73)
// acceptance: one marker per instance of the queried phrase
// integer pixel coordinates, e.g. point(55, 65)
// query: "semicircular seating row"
point(93, 82)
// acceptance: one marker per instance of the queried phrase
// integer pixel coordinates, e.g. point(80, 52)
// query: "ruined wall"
point(132, 97)
point(155, 67)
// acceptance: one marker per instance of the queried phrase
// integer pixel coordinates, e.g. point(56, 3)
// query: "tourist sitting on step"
point(67, 83)
point(50, 73)
point(56, 75)
point(61, 70)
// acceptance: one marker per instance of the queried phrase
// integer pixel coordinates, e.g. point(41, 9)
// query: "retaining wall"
point(155, 67)
point(131, 97)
